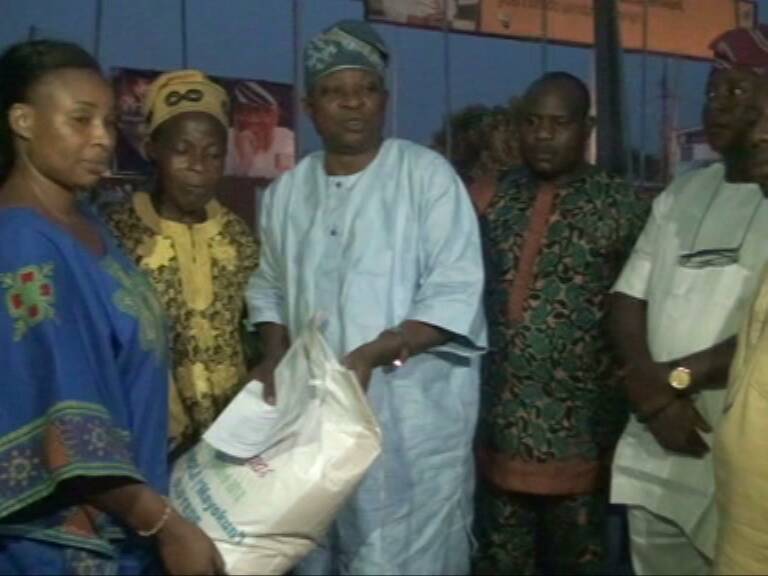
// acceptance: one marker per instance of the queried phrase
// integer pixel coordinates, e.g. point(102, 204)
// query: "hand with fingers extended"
point(679, 427)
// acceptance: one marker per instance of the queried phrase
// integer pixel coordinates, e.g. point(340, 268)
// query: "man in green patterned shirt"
point(557, 234)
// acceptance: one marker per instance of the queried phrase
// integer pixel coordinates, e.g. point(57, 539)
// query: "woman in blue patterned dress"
point(83, 371)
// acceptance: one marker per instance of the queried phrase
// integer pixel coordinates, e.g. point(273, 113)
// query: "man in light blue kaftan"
point(380, 236)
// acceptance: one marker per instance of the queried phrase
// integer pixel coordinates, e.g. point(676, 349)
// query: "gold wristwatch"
point(680, 378)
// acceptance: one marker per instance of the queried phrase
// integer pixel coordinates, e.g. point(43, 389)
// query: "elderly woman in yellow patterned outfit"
point(197, 253)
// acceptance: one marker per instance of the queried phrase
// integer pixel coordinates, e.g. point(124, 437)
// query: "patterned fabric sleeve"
point(248, 261)
point(62, 413)
point(246, 242)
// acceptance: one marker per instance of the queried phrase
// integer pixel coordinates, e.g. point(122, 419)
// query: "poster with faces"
point(460, 14)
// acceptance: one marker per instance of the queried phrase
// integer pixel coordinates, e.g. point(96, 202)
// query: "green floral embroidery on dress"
point(29, 297)
point(136, 297)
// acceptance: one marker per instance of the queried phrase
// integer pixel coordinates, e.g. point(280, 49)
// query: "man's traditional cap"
point(250, 92)
point(346, 44)
point(743, 47)
point(173, 93)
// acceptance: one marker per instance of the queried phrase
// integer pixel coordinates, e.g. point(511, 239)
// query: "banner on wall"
point(261, 141)
point(675, 27)
point(462, 14)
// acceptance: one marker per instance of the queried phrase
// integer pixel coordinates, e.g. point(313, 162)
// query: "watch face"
point(680, 378)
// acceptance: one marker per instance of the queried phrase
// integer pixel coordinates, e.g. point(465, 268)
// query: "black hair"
point(22, 66)
point(583, 98)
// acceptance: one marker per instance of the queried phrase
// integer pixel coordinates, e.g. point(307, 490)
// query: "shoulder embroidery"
point(29, 297)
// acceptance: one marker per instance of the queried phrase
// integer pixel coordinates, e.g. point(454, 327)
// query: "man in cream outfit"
point(677, 306)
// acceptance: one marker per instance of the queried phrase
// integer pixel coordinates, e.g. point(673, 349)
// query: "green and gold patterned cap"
point(346, 44)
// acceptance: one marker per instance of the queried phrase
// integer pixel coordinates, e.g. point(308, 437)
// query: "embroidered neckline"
point(142, 203)
point(191, 243)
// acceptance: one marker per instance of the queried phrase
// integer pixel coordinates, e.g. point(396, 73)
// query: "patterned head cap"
point(184, 91)
point(746, 47)
point(346, 44)
point(250, 92)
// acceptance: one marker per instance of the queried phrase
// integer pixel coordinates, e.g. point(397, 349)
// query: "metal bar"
point(97, 21)
point(611, 122)
point(394, 93)
point(544, 37)
point(644, 97)
point(184, 53)
point(665, 120)
point(298, 69)
point(671, 109)
point(447, 76)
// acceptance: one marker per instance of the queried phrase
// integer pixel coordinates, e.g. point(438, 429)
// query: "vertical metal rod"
point(676, 97)
point(611, 122)
point(644, 97)
point(665, 119)
point(184, 53)
point(298, 86)
point(544, 37)
point(447, 76)
point(97, 21)
point(394, 90)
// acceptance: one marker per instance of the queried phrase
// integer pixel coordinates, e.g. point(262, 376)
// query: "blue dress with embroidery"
point(83, 393)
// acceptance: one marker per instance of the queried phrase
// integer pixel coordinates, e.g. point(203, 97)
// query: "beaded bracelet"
point(160, 523)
